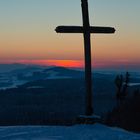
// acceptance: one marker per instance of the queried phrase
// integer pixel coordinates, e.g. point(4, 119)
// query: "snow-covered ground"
point(77, 132)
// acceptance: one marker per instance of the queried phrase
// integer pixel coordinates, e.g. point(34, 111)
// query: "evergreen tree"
point(122, 86)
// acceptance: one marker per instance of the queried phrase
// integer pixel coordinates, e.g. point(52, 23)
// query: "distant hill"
point(9, 67)
point(35, 73)
point(57, 72)
point(27, 69)
point(17, 67)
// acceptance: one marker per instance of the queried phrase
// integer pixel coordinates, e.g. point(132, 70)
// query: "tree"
point(119, 84)
point(122, 86)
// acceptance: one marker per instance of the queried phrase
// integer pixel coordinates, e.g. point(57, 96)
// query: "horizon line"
point(78, 64)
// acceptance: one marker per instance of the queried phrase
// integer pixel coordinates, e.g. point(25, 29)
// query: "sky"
point(27, 33)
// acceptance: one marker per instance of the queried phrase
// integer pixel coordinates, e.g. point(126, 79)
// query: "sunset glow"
point(62, 63)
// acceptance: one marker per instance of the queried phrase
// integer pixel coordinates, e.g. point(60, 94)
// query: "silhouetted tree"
point(127, 115)
point(122, 86)
point(119, 84)
point(126, 84)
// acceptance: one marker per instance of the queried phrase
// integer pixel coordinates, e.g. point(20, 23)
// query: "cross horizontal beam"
point(80, 29)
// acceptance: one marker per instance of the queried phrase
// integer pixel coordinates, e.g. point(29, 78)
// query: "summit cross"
point(86, 29)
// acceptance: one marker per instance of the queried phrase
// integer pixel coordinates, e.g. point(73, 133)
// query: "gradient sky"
point(27, 32)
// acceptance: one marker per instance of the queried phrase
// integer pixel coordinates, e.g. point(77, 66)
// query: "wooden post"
point(87, 48)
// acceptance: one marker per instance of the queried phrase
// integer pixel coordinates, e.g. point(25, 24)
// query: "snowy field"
point(77, 132)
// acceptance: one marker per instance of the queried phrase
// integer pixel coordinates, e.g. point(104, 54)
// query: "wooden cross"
point(86, 29)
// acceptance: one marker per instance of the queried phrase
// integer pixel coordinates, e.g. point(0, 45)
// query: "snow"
point(77, 132)
point(59, 77)
point(134, 84)
point(90, 117)
point(35, 87)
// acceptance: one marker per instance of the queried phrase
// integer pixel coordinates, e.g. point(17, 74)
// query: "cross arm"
point(80, 29)
point(69, 29)
point(103, 30)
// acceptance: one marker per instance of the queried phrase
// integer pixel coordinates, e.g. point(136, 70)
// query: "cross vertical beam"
point(87, 48)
